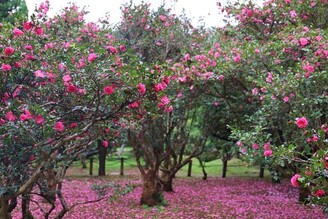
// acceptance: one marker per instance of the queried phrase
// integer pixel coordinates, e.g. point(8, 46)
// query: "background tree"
point(13, 10)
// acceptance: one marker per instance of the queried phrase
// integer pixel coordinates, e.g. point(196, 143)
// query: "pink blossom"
point(122, 48)
point(5, 67)
point(92, 57)
point(105, 144)
point(28, 25)
point(267, 153)
point(294, 180)
point(142, 88)
point(10, 116)
point(112, 49)
point(2, 121)
point(293, 14)
point(38, 31)
point(237, 58)
point(216, 103)
point(255, 146)
point(23, 117)
point(319, 193)
point(39, 74)
point(28, 47)
point(59, 126)
point(67, 78)
point(168, 109)
point(71, 88)
point(286, 99)
point(109, 90)
point(308, 68)
point(39, 119)
point(301, 122)
point(134, 105)
point(221, 78)
point(9, 51)
point(315, 138)
point(165, 100)
point(239, 143)
point(17, 32)
point(303, 41)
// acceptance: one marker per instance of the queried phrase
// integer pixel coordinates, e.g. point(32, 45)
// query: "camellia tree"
point(64, 84)
point(158, 37)
point(282, 49)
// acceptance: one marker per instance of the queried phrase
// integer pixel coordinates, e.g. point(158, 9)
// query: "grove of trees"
point(256, 88)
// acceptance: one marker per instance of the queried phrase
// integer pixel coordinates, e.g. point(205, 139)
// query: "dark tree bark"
point(4, 205)
point(102, 152)
point(151, 194)
point(224, 167)
point(261, 174)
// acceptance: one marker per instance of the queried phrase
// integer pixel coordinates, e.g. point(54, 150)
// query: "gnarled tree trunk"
point(4, 206)
point(151, 194)
point(167, 183)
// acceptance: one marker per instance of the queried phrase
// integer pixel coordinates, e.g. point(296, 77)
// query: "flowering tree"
point(63, 84)
point(283, 51)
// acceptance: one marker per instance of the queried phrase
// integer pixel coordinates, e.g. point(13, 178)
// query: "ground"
point(232, 197)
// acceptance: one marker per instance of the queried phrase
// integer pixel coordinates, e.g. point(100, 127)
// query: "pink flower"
point(109, 90)
point(39, 74)
point(5, 67)
point(255, 146)
point(122, 48)
point(319, 193)
point(23, 117)
point(168, 109)
point(73, 125)
point(28, 25)
point(308, 68)
point(112, 49)
point(221, 78)
point(134, 105)
point(301, 122)
point(92, 57)
point(71, 88)
point(216, 103)
point(165, 100)
point(10, 116)
point(28, 114)
point(59, 126)
point(239, 143)
point(38, 31)
point(17, 32)
point(9, 51)
point(237, 58)
point(266, 146)
point(293, 14)
point(2, 122)
point(303, 41)
point(267, 153)
point(142, 88)
point(105, 144)
point(67, 78)
point(286, 99)
point(39, 119)
point(294, 180)
point(315, 138)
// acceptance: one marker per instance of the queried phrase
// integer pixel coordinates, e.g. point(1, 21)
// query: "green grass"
point(236, 167)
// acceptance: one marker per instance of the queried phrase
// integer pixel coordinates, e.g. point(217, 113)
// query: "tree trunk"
point(151, 194)
point(102, 152)
point(4, 205)
point(261, 174)
point(224, 167)
point(26, 199)
point(304, 194)
point(167, 183)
